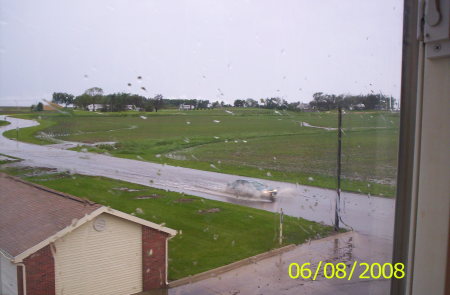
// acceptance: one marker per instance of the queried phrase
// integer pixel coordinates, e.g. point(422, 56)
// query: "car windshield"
point(258, 186)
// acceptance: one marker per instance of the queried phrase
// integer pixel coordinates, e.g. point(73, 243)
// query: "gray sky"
point(199, 48)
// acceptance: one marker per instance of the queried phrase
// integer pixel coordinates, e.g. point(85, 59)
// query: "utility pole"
point(338, 198)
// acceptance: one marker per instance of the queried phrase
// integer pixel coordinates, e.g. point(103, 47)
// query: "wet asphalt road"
point(270, 276)
point(365, 214)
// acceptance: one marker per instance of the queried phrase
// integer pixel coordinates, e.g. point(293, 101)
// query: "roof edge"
point(88, 217)
point(6, 254)
point(169, 231)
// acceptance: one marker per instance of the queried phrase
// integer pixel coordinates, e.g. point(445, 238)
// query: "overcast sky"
point(211, 49)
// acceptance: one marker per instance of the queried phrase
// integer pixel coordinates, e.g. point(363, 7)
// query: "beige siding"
point(106, 262)
point(8, 277)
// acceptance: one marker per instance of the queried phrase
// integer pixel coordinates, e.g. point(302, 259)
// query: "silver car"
point(251, 189)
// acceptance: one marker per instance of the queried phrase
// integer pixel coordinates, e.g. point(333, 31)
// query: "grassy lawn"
point(30, 134)
point(13, 110)
point(4, 123)
point(205, 240)
point(250, 142)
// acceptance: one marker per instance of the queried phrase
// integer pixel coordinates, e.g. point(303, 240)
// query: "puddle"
point(154, 196)
point(39, 171)
point(211, 210)
point(304, 124)
point(185, 200)
point(125, 189)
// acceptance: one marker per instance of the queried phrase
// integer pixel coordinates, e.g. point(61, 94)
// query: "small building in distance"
point(184, 107)
point(96, 107)
point(303, 106)
point(357, 107)
point(54, 243)
point(132, 107)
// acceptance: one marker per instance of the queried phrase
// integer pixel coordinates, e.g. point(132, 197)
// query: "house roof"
point(33, 216)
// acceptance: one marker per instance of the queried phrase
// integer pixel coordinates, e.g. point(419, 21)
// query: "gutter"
point(24, 278)
point(167, 259)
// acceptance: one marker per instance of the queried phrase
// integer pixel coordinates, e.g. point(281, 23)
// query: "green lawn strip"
point(13, 110)
point(151, 149)
point(46, 120)
point(206, 240)
point(4, 123)
point(29, 134)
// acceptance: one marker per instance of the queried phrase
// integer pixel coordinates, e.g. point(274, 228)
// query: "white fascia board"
point(88, 217)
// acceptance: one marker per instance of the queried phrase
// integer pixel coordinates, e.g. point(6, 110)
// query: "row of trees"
point(267, 103)
point(325, 102)
point(115, 102)
point(122, 101)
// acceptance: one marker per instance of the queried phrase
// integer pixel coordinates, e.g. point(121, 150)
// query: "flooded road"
point(368, 215)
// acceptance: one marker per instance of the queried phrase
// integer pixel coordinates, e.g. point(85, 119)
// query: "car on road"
point(251, 189)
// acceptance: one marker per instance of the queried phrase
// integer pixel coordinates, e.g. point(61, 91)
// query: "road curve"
point(373, 216)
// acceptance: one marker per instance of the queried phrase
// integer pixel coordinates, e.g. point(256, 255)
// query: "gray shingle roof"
point(31, 213)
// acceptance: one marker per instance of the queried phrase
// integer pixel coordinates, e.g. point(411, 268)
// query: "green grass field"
point(250, 142)
point(4, 123)
point(205, 240)
point(13, 110)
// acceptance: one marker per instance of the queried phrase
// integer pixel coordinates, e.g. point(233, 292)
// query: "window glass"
point(264, 132)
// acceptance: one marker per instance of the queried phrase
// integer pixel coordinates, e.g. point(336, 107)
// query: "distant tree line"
point(116, 102)
point(326, 102)
point(267, 103)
